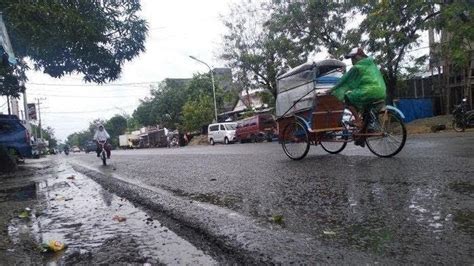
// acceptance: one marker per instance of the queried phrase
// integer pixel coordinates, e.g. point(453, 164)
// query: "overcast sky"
point(178, 28)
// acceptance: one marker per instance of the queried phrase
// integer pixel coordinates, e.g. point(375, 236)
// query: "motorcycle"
point(462, 118)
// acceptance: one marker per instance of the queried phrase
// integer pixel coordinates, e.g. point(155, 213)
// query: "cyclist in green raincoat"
point(362, 85)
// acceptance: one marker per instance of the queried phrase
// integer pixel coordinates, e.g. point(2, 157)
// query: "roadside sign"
point(32, 111)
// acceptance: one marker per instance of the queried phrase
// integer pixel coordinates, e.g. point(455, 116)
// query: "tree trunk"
point(391, 88)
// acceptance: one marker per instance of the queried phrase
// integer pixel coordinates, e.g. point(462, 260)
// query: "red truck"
point(256, 128)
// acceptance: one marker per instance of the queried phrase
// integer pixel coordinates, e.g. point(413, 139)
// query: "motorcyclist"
point(66, 149)
point(101, 135)
point(361, 86)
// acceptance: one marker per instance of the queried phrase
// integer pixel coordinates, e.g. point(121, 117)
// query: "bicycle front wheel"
point(295, 141)
point(104, 158)
point(335, 141)
point(393, 134)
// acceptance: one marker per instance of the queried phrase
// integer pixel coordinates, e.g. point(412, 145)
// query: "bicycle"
point(384, 132)
point(103, 152)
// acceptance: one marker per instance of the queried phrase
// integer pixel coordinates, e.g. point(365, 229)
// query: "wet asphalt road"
point(414, 208)
point(97, 226)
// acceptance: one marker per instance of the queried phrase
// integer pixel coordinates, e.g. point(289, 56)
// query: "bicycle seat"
point(377, 104)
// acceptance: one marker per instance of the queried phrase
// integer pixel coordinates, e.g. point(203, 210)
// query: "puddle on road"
point(80, 213)
point(464, 220)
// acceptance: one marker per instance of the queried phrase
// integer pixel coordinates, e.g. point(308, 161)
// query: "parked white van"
point(221, 132)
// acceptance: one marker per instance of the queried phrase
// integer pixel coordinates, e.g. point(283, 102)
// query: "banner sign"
point(32, 111)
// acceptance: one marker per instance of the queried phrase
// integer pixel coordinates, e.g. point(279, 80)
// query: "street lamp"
point(213, 86)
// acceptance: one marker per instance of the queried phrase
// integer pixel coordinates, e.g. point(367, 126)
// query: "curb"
point(229, 229)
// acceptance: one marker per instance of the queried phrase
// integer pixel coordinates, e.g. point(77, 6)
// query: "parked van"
point(256, 128)
point(221, 132)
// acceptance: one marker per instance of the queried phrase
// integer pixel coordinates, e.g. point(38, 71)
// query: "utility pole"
point(39, 115)
point(213, 86)
point(25, 107)
point(8, 105)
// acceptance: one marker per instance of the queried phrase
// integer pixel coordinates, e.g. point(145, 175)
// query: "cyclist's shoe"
point(108, 157)
point(360, 142)
point(98, 155)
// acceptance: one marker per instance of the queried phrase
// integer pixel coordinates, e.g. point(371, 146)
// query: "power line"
point(89, 97)
point(91, 111)
point(93, 85)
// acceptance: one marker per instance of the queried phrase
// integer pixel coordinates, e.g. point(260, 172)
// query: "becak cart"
point(307, 114)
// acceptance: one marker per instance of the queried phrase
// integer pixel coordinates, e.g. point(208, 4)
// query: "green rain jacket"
point(365, 82)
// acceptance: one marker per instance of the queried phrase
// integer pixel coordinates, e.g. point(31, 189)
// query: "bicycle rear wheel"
point(393, 134)
point(295, 141)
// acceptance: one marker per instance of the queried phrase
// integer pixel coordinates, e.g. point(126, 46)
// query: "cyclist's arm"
point(343, 86)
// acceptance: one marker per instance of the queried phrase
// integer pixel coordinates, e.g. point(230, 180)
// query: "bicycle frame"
point(348, 132)
point(103, 152)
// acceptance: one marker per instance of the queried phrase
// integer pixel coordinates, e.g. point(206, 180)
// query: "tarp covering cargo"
point(307, 79)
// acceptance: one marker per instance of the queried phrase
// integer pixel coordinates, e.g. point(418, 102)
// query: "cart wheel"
point(295, 141)
point(334, 141)
point(394, 134)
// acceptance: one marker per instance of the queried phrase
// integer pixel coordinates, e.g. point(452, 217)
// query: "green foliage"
point(48, 134)
point(458, 19)
point(198, 112)
point(166, 105)
point(92, 38)
point(310, 25)
point(116, 126)
point(256, 51)
point(267, 98)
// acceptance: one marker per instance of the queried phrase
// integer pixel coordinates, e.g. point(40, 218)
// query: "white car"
point(221, 132)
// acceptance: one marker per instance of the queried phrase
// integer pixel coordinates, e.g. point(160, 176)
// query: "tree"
point(311, 25)
point(165, 106)
point(198, 112)
point(255, 51)
point(457, 20)
point(116, 126)
point(48, 135)
point(91, 38)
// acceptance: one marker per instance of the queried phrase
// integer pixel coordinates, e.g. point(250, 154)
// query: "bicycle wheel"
point(334, 142)
point(393, 136)
point(295, 141)
point(104, 158)
point(458, 125)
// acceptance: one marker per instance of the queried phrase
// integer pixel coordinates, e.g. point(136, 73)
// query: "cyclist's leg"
point(98, 150)
point(107, 149)
point(355, 111)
